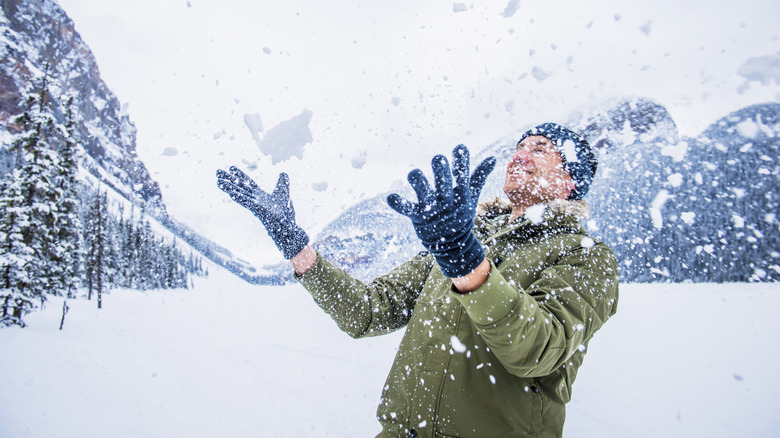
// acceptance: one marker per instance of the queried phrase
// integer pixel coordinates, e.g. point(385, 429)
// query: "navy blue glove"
point(444, 216)
point(274, 210)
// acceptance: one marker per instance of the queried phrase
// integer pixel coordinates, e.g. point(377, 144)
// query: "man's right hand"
point(275, 210)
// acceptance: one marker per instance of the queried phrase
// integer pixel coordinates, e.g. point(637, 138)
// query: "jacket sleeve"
point(360, 309)
point(532, 332)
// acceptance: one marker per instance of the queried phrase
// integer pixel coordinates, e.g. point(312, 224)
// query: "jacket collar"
point(557, 216)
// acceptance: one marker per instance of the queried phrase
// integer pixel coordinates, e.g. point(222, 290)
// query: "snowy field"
point(230, 359)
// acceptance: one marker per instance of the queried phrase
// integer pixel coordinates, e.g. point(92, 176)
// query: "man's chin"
point(513, 191)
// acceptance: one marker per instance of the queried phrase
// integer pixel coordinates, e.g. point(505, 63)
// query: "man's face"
point(535, 173)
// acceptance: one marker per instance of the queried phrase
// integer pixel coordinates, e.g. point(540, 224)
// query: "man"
point(499, 311)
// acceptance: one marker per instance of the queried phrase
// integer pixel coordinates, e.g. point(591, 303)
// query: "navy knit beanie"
point(578, 157)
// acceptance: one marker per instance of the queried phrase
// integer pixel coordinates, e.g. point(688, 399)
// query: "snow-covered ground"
point(230, 359)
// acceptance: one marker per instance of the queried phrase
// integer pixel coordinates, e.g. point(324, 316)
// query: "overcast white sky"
point(393, 83)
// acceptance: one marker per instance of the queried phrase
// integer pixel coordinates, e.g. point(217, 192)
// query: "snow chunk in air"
point(535, 213)
point(675, 179)
point(287, 139)
point(540, 74)
point(359, 161)
point(255, 125)
point(320, 186)
point(511, 8)
point(677, 151)
point(748, 128)
point(170, 152)
point(763, 69)
point(569, 151)
point(645, 28)
point(457, 346)
point(459, 7)
point(656, 206)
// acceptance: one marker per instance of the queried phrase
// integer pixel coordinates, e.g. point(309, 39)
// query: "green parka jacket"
point(496, 362)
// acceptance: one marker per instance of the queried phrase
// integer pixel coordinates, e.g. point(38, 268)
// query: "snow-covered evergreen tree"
point(56, 235)
point(17, 297)
point(67, 224)
point(97, 240)
point(121, 238)
point(31, 193)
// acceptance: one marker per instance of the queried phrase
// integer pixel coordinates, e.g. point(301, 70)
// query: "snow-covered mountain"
point(622, 122)
point(673, 209)
point(37, 36)
point(702, 209)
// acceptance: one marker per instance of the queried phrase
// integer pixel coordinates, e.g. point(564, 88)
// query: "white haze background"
point(390, 84)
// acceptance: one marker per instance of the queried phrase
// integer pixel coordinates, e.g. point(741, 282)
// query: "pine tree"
point(121, 239)
point(56, 236)
point(146, 254)
point(17, 297)
point(30, 198)
point(68, 222)
point(97, 240)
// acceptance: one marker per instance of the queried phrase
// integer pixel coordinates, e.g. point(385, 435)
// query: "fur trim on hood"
point(495, 207)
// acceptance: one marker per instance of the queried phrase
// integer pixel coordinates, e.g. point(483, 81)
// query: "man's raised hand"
point(275, 210)
point(443, 215)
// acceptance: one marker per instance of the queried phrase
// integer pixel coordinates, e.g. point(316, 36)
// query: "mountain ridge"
point(630, 205)
point(37, 37)
point(654, 197)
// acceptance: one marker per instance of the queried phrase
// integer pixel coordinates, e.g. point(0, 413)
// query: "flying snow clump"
point(763, 69)
point(359, 161)
point(675, 179)
point(540, 74)
point(457, 346)
point(569, 151)
point(645, 28)
point(170, 152)
point(748, 128)
point(287, 139)
point(536, 213)
point(676, 151)
point(656, 206)
point(255, 125)
point(320, 186)
point(511, 8)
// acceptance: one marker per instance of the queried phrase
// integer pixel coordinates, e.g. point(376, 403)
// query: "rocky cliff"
point(38, 39)
point(38, 36)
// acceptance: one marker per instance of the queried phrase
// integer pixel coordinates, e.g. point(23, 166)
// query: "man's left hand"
point(443, 216)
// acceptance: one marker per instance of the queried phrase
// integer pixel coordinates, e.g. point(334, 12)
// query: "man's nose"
point(521, 155)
